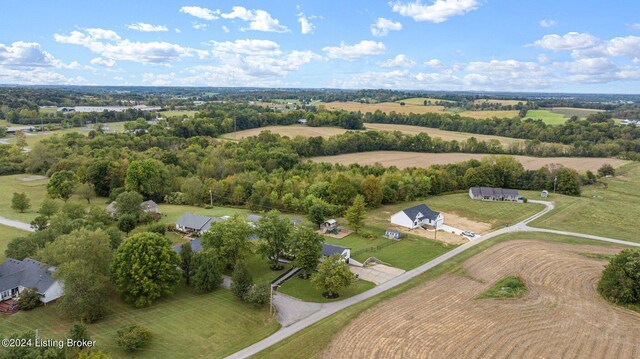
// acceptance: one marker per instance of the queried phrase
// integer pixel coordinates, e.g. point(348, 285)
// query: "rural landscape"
point(224, 181)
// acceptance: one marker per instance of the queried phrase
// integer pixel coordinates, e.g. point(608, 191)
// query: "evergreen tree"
point(241, 280)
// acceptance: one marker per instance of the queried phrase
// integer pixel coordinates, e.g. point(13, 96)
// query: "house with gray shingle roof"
point(190, 222)
point(331, 249)
point(16, 276)
point(147, 206)
point(417, 216)
point(494, 194)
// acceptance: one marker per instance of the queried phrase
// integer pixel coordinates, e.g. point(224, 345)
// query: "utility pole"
point(211, 197)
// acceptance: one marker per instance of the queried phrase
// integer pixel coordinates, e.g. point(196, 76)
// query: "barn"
point(417, 216)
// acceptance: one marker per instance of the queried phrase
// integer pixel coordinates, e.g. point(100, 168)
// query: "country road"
point(331, 308)
point(16, 224)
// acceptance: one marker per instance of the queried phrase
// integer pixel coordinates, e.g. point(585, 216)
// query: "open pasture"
point(561, 314)
point(385, 107)
point(289, 131)
point(425, 160)
point(572, 111)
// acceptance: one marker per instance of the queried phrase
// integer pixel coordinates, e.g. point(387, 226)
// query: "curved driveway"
point(330, 308)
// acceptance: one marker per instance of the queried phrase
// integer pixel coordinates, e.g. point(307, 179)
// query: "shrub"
point(606, 170)
point(133, 337)
point(29, 299)
point(259, 294)
point(620, 282)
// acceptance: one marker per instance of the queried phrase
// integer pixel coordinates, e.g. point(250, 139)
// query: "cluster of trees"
point(620, 282)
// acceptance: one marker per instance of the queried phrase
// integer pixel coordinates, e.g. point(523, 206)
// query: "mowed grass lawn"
point(303, 289)
point(183, 325)
point(171, 212)
point(609, 209)
point(497, 214)
point(408, 253)
point(6, 235)
point(36, 190)
point(548, 117)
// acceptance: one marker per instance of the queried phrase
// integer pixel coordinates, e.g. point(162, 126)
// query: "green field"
point(178, 113)
point(572, 111)
point(6, 235)
point(36, 191)
point(548, 117)
point(183, 325)
point(609, 209)
point(172, 212)
point(310, 342)
point(303, 289)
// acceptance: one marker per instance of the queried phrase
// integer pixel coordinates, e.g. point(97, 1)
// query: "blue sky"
point(552, 46)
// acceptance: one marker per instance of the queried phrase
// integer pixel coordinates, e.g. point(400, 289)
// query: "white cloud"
point(433, 63)
point(30, 54)
point(306, 27)
point(118, 78)
point(178, 30)
point(37, 76)
point(383, 26)
point(109, 45)
point(400, 60)
point(438, 11)
point(199, 26)
point(144, 27)
point(200, 12)
point(225, 29)
point(355, 52)
point(635, 26)
point(569, 41)
point(625, 46)
point(248, 47)
point(259, 20)
point(547, 23)
point(98, 61)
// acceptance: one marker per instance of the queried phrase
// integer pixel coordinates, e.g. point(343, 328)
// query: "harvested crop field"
point(479, 115)
point(290, 131)
point(434, 132)
point(572, 111)
point(561, 316)
point(382, 106)
point(402, 159)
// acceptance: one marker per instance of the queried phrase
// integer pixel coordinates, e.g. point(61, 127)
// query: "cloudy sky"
point(511, 45)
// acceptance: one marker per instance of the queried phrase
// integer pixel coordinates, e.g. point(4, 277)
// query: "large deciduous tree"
point(61, 185)
point(306, 247)
point(83, 259)
point(620, 282)
point(20, 202)
point(145, 268)
point(129, 203)
point(568, 181)
point(332, 276)
point(274, 233)
point(147, 177)
point(207, 271)
point(372, 191)
point(229, 239)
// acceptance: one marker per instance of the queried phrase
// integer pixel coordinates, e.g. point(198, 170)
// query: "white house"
point(417, 216)
point(16, 276)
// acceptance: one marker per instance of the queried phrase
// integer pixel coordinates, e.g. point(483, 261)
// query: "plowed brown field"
point(561, 316)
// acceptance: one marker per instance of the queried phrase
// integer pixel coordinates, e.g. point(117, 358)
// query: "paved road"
point(331, 308)
point(16, 224)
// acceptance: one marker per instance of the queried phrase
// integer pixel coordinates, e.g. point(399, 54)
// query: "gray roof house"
point(16, 276)
point(196, 246)
point(190, 222)
point(417, 216)
point(494, 194)
point(331, 249)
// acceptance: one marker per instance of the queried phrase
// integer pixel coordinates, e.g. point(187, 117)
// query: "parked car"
point(468, 234)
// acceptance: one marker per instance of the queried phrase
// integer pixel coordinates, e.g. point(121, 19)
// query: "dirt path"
point(562, 315)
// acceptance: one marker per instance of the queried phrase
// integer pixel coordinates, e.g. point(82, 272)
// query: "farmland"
point(499, 102)
point(312, 341)
point(184, 324)
point(177, 113)
point(571, 111)
point(419, 101)
point(562, 300)
point(607, 209)
point(445, 135)
point(290, 131)
point(490, 114)
point(383, 106)
point(424, 160)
